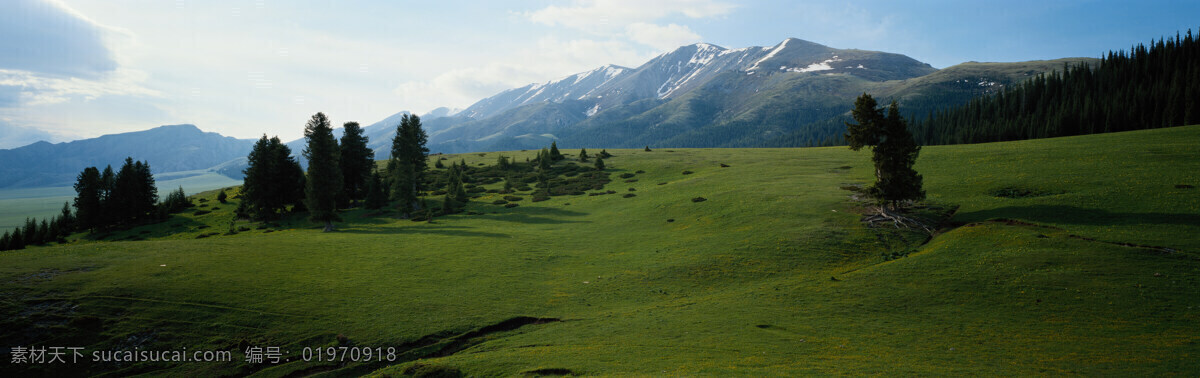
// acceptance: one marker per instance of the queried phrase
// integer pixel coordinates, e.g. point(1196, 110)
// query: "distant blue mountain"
point(166, 148)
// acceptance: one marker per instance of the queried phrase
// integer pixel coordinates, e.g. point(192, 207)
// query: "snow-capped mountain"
point(674, 73)
point(700, 95)
point(575, 87)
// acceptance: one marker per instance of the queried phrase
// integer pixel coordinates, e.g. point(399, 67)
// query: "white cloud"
point(661, 37)
point(49, 38)
point(41, 90)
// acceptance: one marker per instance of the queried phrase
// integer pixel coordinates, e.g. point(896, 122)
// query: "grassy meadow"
point(1074, 255)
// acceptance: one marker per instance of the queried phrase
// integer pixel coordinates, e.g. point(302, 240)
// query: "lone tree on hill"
point(356, 162)
point(583, 156)
point(408, 164)
point(324, 175)
point(599, 163)
point(894, 152)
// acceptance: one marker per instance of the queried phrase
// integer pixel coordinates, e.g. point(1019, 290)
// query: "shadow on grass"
point(534, 215)
point(1063, 214)
point(148, 229)
point(426, 229)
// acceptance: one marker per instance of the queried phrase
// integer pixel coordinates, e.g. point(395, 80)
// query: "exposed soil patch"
point(1021, 192)
point(549, 372)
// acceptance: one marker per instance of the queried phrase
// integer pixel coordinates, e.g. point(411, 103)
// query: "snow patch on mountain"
point(818, 66)
point(770, 55)
point(592, 111)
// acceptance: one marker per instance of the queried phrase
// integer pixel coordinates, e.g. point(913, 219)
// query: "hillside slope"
point(1066, 256)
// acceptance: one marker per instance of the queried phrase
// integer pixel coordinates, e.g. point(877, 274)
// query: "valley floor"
point(1071, 255)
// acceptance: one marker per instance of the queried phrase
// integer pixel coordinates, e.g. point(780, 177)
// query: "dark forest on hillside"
point(1148, 87)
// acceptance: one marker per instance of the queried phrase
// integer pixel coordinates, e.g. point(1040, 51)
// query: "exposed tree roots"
point(883, 217)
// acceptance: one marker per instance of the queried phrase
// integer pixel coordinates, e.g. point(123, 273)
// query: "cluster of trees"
point(273, 181)
point(107, 199)
point(456, 193)
point(38, 233)
point(339, 175)
point(1148, 87)
point(894, 151)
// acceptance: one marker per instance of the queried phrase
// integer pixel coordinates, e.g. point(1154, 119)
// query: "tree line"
point(104, 200)
point(55, 229)
point(339, 174)
point(1147, 87)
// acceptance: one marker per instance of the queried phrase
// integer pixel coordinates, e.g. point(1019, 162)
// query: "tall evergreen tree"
point(108, 212)
point(31, 232)
point(16, 241)
point(376, 192)
point(599, 163)
point(324, 174)
point(408, 163)
point(44, 235)
point(5, 241)
point(357, 161)
point(583, 156)
point(66, 220)
point(273, 180)
point(88, 197)
point(893, 151)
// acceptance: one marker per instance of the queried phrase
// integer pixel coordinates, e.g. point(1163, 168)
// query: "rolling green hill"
point(1062, 256)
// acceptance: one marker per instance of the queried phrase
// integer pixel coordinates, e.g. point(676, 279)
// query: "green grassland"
point(1072, 255)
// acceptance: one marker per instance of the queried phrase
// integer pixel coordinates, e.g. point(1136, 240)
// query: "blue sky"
point(82, 68)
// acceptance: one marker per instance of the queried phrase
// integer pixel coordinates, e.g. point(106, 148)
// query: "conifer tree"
point(44, 235)
point(88, 197)
point(31, 232)
point(66, 220)
point(605, 154)
point(583, 156)
point(502, 163)
point(554, 154)
point(893, 151)
point(448, 204)
point(357, 161)
point(599, 163)
point(273, 180)
point(221, 196)
point(4, 241)
point(134, 194)
point(16, 241)
point(324, 178)
point(107, 205)
point(543, 160)
point(408, 163)
point(376, 194)
point(53, 233)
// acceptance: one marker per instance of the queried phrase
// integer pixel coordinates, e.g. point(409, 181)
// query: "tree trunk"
point(328, 226)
